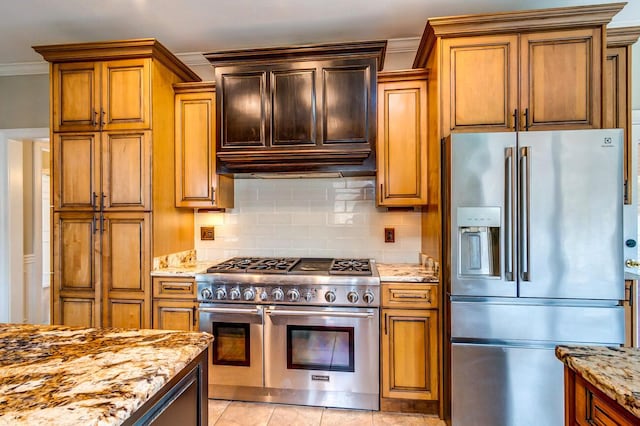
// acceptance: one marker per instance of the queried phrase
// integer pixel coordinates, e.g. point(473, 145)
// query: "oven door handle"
point(254, 311)
point(285, 313)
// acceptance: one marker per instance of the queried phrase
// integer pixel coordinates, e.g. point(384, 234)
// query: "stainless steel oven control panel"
point(318, 296)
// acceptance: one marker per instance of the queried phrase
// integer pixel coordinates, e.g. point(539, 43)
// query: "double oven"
point(298, 331)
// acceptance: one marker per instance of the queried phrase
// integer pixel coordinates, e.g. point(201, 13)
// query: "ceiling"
point(197, 26)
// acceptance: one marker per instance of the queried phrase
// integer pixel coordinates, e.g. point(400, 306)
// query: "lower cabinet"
point(585, 405)
point(101, 269)
point(174, 304)
point(409, 340)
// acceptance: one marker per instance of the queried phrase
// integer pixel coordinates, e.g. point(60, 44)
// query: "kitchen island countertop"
point(613, 370)
point(60, 375)
point(406, 272)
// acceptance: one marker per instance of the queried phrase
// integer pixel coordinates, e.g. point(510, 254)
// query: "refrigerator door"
point(570, 214)
point(494, 385)
point(481, 183)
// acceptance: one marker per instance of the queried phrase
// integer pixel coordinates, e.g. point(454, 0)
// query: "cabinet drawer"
point(174, 288)
point(409, 295)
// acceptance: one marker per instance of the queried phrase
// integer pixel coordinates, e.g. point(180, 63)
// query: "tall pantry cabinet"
point(113, 195)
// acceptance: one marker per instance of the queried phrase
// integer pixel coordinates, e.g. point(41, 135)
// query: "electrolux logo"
point(607, 142)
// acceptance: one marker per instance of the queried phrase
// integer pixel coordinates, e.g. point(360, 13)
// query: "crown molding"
point(24, 68)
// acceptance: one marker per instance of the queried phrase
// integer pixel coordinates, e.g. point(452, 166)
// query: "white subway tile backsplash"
point(310, 217)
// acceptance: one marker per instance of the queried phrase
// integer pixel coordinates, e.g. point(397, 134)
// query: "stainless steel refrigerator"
point(535, 259)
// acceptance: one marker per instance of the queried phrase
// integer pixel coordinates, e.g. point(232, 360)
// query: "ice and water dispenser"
point(478, 241)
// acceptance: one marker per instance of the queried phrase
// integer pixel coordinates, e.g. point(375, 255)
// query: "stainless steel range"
point(293, 330)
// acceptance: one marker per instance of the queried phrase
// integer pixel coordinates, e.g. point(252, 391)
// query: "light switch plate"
point(207, 233)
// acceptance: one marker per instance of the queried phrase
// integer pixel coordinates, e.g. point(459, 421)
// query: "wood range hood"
point(297, 111)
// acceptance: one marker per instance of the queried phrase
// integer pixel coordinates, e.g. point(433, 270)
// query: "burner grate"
point(350, 267)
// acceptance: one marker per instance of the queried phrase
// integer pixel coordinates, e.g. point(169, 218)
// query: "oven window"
point(231, 344)
point(320, 348)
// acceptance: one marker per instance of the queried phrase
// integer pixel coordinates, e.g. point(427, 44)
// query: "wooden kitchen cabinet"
point(544, 80)
point(101, 95)
point(174, 303)
point(102, 171)
point(197, 183)
point(113, 169)
point(585, 405)
point(402, 138)
point(409, 341)
point(617, 93)
point(101, 270)
point(527, 70)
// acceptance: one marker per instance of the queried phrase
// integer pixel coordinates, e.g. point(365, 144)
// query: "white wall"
point(309, 217)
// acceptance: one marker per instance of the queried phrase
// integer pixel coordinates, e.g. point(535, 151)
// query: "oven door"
point(322, 349)
point(235, 357)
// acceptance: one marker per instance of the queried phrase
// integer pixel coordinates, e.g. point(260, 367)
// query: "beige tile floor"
point(234, 413)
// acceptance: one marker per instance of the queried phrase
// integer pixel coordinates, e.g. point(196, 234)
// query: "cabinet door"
point(479, 83)
point(294, 106)
point(126, 170)
point(76, 277)
point(243, 108)
point(175, 315)
point(126, 94)
point(560, 79)
point(615, 106)
point(195, 149)
point(409, 354)
point(402, 143)
point(76, 171)
point(126, 248)
point(76, 96)
point(348, 102)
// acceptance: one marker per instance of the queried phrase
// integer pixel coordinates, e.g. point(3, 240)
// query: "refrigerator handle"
point(525, 191)
point(509, 240)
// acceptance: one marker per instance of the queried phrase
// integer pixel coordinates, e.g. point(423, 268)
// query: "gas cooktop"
point(294, 265)
point(306, 280)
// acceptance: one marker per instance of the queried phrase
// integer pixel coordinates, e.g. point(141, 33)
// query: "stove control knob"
point(368, 297)
point(249, 294)
point(352, 297)
point(293, 295)
point(234, 294)
point(330, 296)
point(206, 294)
point(264, 295)
point(277, 294)
point(221, 294)
point(308, 296)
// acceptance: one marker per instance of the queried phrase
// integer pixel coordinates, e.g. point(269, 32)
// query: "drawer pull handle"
point(410, 296)
point(176, 287)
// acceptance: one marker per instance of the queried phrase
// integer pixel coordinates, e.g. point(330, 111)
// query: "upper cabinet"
point(617, 93)
point(402, 138)
point(107, 95)
point(197, 183)
point(531, 70)
point(301, 109)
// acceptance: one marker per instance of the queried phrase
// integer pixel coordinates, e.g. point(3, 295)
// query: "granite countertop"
point(58, 375)
point(406, 272)
point(613, 370)
point(182, 270)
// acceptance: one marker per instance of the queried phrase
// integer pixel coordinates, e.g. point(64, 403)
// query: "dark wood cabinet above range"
point(299, 109)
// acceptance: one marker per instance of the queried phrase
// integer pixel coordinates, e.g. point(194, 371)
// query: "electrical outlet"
point(207, 233)
point(389, 235)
